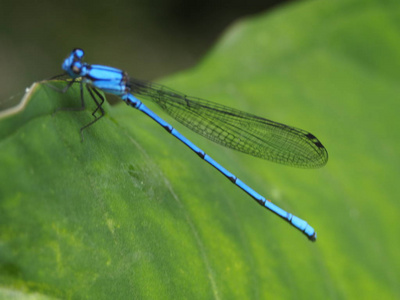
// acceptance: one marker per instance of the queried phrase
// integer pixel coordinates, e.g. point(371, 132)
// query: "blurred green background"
point(131, 213)
point(149, 38)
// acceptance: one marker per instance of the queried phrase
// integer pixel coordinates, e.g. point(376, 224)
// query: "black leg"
point(94, 93)
point(99, 107)
point(63, 90)
point(82, 107)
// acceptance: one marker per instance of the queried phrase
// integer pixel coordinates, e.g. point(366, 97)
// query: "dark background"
point(149, 39)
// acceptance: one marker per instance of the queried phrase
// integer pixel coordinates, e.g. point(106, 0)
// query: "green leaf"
point(132, 213)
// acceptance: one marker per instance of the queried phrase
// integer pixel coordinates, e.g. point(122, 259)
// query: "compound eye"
point(78, 53)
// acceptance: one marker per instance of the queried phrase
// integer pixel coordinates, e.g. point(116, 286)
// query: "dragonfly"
point(227, 126)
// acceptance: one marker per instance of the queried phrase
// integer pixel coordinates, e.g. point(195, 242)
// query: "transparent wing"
point(235, 129)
